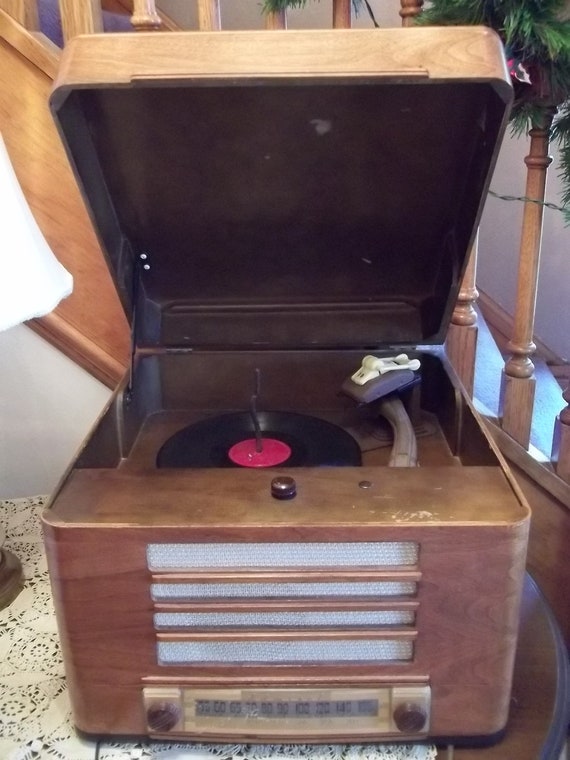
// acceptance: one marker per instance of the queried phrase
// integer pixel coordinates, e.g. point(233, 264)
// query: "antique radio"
point(232, 557)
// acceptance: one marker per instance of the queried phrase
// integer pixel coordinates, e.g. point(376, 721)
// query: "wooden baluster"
point(80, 17)
point(518, 381)
point(461, 341)
point(209, 18)
point(409, 10)
point(144, 17)
point(25, 12)
point(561, 447)
point(276, 20)
point(342, 17)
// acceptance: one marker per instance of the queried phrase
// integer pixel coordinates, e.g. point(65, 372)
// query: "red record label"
point(273, 452)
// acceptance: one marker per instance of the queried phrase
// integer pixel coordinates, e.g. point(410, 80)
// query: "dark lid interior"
point(286, 214)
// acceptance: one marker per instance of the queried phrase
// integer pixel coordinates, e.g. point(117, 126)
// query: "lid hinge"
point(141, 264)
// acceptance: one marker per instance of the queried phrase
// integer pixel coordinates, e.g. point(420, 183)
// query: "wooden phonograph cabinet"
point(288, 525)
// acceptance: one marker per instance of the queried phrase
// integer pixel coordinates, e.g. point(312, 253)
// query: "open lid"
point(285, 189)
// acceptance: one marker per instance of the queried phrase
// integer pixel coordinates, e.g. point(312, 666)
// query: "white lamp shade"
point(32, 281)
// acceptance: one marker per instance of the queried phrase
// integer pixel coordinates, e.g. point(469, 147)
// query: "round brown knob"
point(283, 487)
point(163, 716)
point(409, 717)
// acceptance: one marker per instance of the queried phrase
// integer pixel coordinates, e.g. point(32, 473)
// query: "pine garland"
point(561, 133)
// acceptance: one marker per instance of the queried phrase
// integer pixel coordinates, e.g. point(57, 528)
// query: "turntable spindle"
point(253, 412)
point(258, 451)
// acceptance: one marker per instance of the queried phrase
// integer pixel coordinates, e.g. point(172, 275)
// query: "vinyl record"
point(313, 442)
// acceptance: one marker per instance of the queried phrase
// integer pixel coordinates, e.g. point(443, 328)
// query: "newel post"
point(518, 381)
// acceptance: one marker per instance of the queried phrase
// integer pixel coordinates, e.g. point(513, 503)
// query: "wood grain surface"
point(536, 728)
point(438, 52)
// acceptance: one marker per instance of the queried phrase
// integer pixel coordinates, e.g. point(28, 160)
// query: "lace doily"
point(35, 718)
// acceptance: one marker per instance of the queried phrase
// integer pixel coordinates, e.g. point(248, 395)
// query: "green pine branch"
point(561, 133)
point(273, 6)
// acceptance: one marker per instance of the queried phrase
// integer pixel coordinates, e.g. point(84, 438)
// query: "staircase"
point(513, 391)
point(490, 361)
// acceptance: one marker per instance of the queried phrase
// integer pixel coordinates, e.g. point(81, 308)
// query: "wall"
point(47, 405)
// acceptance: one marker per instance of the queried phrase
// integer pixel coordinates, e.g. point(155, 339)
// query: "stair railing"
point(518, 382)
point(461, 341)
point(85, 16)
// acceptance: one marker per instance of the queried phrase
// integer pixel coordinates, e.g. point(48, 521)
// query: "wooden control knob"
point(163, 716)
point(409, 717)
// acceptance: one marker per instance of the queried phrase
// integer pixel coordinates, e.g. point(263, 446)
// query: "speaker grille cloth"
point(282, 619)
point(182, 652)
point(191, 556)
point(168, 591)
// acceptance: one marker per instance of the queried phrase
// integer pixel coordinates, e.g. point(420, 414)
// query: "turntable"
point(272, 533)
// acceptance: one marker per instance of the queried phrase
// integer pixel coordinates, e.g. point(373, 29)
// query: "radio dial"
point(163, 716)
point(409, 717)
